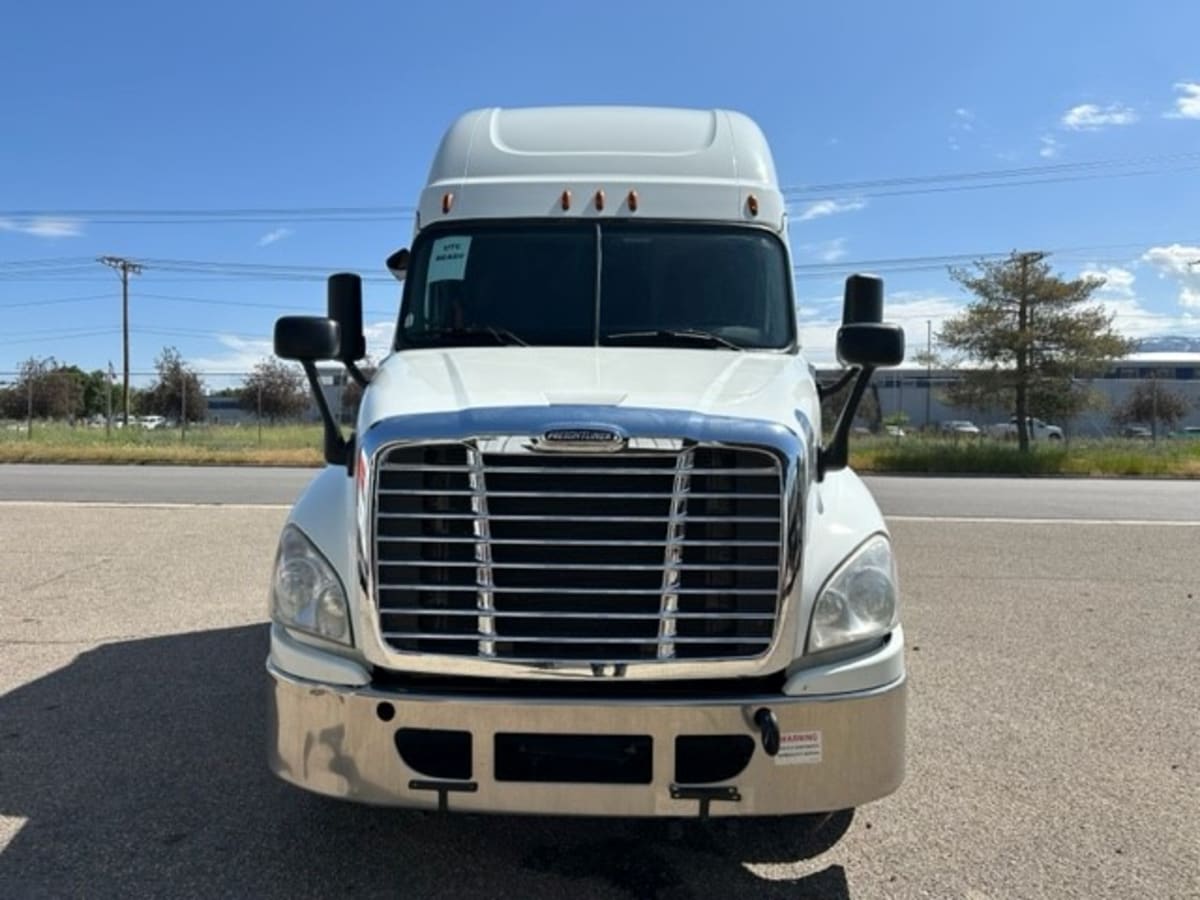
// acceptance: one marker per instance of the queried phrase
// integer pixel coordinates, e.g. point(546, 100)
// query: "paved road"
point(1053, 745)
point(1099, 499)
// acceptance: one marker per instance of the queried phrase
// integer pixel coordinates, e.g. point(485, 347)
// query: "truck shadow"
point(139, 769)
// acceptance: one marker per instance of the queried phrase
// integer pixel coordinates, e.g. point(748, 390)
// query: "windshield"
point(582, 284)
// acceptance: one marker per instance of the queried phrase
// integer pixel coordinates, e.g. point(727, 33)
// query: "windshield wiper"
point(687, 334)
point(501, 335)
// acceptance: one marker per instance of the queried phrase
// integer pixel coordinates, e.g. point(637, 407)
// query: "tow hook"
point(768, 727)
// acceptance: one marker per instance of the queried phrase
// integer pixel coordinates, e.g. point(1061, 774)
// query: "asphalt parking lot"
point(1054, 734)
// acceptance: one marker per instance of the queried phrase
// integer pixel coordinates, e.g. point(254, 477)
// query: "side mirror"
point(344, 304)
point(870, 345)
point(864, 344)
point(862, 301)
point(307, 338)
point(397, 263)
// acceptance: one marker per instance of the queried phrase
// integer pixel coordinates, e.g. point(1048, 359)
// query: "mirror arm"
point(335, 445)
point(828, 390)
point(356, 373)
point(836, 454)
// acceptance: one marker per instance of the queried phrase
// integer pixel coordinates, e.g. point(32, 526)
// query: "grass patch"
point(214, 445)
point(934, 456)
point(300, 445)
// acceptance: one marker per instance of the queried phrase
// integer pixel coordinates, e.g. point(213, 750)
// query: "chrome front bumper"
point(844, 749)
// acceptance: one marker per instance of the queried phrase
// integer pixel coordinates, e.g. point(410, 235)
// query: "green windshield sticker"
point(448, 260)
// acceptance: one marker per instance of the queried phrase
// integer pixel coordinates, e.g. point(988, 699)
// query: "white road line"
point(137, 504)
point(1002, 520)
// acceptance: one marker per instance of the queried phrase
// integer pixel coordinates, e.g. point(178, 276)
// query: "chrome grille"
point(636, 556)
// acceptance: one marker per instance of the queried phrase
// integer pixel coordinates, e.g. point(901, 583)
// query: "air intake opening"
point(707, 758)
point(575, 758)
point(435, 753)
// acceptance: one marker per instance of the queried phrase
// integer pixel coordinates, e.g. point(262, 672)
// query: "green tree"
point(98, 392)
point(1150, 403)
point(46, 389)
point(351, 395)
point(176, 391)
point(1029, 335)
point(276, 389)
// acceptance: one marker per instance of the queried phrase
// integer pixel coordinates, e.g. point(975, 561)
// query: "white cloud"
point(1118, 282)
point(242, 354)
point(821, 208)
point(908, 309)
point(379, 338)
point(44, 226)
point(1134, 320)
point(1187, 105)
point(1091, 117)
point(824, 251)
point(1050, 147)
point(1181, 263)
point(966, 118)
point(271, 237)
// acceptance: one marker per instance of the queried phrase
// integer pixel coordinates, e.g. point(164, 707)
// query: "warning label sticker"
point(448, 259)
point(799, 747)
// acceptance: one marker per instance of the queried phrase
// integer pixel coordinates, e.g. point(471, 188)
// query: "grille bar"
point(565, 542)
point(569, 495)
point(493, 590)
point(759, 520)
point(564, 470)
point(561, 639)
point(590, 567)
point(566, 614)
point(484, 587)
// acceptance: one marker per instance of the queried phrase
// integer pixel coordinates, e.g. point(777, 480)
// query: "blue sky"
point(259, 105)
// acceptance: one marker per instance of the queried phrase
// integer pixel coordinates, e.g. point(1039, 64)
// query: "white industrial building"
point(920, 393)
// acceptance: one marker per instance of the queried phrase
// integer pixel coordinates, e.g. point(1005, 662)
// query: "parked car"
point(960, 428)
point(1191, 432)
point(1038, 430)
point(1138, 432)
point(894, 431)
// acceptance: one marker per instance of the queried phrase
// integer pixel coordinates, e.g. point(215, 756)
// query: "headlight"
point(859, 601)
point(306, 592)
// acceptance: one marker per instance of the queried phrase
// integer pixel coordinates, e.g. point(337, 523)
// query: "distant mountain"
point(1169, 343)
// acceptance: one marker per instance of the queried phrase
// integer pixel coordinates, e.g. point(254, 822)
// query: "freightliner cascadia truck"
point(589, 548)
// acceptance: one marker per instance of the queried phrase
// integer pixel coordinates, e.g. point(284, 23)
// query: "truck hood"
point(764, 386)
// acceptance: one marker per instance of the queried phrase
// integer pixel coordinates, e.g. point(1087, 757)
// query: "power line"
point(64, 336)
point(872, 187)
point(199, 216)
point(993, 174)
point(54, 301)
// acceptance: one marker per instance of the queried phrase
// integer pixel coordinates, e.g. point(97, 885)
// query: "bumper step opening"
point(708, 758)
point(575, 758)
point(436, 753)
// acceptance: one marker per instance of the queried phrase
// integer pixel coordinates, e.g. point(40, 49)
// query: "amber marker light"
point(632, 200)
point(752, 205)
point(600, 198)
point(565, 200)
point(447, 201)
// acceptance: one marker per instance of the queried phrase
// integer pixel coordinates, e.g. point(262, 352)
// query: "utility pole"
point(1024, 346)
point(124, 268)
point(108, 386)
point(928, 367)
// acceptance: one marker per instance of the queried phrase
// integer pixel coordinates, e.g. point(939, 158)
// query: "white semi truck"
point(587, 550)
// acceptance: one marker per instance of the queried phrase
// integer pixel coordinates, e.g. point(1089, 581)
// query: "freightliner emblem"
point(581, 439)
